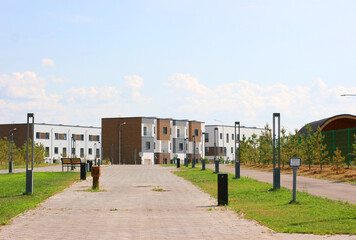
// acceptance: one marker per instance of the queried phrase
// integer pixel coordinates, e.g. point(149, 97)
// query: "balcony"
point(180, 135)
point(147, 134)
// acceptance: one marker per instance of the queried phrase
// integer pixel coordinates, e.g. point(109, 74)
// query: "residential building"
point(151, 140)
point(225, 140)
point(59, 140)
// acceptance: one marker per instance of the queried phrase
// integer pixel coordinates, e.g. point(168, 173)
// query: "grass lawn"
point(45, 184)
point(23, 165)
point(271, 208)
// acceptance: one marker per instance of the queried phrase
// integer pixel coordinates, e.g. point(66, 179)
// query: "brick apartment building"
point(151, 140)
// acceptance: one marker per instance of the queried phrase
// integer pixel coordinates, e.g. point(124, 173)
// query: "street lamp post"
point(237, 162)
point(203, 150)
point(223, 128)
point(193, 161)
point(276, 171)
point(29, 173)
point(186, 151)
point(11, 150)
point(216, 132)
point(120, 141)
point(94, 153)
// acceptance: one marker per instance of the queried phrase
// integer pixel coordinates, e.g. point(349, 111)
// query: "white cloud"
point(254, 103)
point(135, 83)
point(48, 62)
point(92, 94)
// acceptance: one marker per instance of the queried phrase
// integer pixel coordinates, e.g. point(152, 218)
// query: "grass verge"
point(13, 201)
point(271, 208)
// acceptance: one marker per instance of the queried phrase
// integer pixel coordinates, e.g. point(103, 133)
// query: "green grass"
point(23, 165)
point(13, 201)
point(271, 208)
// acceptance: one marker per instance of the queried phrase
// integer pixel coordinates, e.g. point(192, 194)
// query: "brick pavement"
point(129, 209)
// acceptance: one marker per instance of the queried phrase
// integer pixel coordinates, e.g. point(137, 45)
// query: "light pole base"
point(10, 166)
point(29, 182)
point(276, 178)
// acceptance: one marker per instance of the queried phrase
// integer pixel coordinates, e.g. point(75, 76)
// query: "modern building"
point(225, 140)
point(59, 140)
point(151, 140)
point(338, 132)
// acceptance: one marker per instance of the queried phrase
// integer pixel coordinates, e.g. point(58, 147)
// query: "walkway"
point(318, 187)
point(129, 209)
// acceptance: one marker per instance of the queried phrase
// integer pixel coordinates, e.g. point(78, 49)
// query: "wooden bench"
point(70, 162)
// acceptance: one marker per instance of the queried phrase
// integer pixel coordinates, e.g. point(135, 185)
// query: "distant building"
point(59, 140)
point(225, 140)
point(151, 140)
point(339, 132)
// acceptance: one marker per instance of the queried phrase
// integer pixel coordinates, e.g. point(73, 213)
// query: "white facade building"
point(68, 141)
point(225, 140)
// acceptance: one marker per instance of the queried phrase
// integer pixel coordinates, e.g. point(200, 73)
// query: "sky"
point(75, 62)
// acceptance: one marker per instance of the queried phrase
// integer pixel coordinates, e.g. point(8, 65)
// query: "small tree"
point(307, 146)
point(265, 145)
point(354, 151)
point(319, 152)
point(338, 160)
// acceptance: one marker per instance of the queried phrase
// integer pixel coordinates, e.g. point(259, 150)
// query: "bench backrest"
point(71, 160)
point(66, 160)
point(76, 161)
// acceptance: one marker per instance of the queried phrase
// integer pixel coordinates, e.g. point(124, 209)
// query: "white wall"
point(52, 143)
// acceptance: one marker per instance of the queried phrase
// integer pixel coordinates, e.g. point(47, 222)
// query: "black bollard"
point(216, 166)
point(203, 164)
point(83, 172)
point(178, 162)
point(223, 189)
point(90, 164)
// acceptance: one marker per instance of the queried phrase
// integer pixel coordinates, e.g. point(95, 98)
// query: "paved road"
point(318, 187)
point(129, 209)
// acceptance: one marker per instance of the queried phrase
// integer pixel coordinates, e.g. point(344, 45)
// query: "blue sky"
point(74, 62)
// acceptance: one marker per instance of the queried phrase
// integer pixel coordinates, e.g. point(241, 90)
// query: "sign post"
point(294, 163)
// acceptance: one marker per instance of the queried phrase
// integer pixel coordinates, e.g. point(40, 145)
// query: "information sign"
point(294, 162)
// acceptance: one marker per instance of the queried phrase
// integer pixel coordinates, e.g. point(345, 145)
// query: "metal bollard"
point(178, 162)
point(223, 189)
point(203, 164)
point(95, 173)
point(83, 172)
point(90, 164)
point(216, 166)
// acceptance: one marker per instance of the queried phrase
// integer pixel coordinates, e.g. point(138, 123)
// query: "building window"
point(60, 136)
point(237, 137)
point(148, 145)
point(97, 152)
point(64, 152)
point(206, 137)
point(165, 130)
point(196, 132)
point(181, 146)
point(206, 149)
point(81, 152)
point(232, 150)
point(221, 136)
point(178, 133)
point(78, 137)
point(225, 150)
point(227, 137)
point(95, 138)
point(56, 150)
point(90, 151)
point(47, 152)
point(232, 136)
point(40, 135)
point(73, 151)
point(154, 146)
point(144, 131)
point(220, 149)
